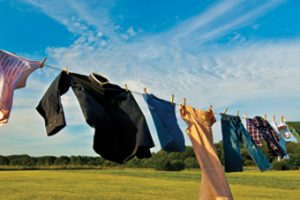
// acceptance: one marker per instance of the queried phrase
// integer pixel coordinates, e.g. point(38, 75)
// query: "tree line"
point(161, 160)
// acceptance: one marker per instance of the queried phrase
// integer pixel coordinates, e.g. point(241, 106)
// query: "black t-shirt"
point(121, 131)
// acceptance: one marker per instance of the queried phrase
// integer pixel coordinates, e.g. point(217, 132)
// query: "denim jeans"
point(234, 132)
point(163, 113)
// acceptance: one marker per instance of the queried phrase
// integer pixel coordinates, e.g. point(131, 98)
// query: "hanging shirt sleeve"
point(50, 106)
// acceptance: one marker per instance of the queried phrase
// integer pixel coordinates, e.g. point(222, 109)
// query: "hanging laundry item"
point(14, 71)
point(294, 127)
point(163, 114)
point(214, 184)
point(121, 131)
point(259, 128)
point(286, 132)
point(283, 134)
point(234, 132)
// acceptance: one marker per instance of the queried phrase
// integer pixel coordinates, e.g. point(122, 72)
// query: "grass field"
point(133, 184)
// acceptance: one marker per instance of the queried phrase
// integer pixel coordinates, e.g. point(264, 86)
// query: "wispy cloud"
point(209, 75)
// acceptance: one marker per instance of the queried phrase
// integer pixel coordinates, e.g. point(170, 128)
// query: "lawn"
point(133, 184)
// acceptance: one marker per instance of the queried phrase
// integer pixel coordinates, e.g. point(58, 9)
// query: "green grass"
point(133, 184)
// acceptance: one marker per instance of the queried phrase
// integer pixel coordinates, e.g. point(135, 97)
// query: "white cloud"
point(220, 76)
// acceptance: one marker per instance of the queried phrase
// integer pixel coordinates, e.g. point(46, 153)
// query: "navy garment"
point(163, 114)
point(234, 132)
point(121, 131)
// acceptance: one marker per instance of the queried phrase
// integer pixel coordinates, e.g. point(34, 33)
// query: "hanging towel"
point(214, 184)
point(121, 131)
point(14, 71)
point(234, 132)
point(163, 114)
point(259, 128)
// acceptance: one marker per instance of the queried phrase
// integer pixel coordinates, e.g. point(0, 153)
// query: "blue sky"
point(243, 55)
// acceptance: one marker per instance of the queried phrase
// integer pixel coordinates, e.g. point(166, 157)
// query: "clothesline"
point(140, 93)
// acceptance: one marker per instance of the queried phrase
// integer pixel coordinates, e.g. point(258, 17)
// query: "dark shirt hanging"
point(121, 131)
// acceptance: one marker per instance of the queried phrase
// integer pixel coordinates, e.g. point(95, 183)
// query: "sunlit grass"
point(133, 184)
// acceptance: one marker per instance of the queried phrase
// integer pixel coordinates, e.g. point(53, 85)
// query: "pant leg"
point(232, 155)
point(255, 153)
point(282, 143)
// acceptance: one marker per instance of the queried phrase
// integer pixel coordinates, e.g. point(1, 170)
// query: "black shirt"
point(121, 131)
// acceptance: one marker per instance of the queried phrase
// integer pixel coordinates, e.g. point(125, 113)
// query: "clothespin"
point(246, 116)
point(274, 118)
point(145, 90)
point(282, 119)
point(238, 113)
point(265, 116)
point(126, 87)
point(66, 69)
point(225, 111)
point(43, 62)
point(172, 98)
point(184, 101)
point(210, 107)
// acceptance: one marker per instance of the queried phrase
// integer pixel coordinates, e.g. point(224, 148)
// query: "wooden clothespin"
point(225, 111)
point(265, 117)
point(238, 113)
point(172, 98)
point(184, 101)
point(43, 62)
point(145, 90)
point(246, 116)
point(126, 87)
point(66, 69)
point(274, 118)
point(282, 119)
point(210, 107)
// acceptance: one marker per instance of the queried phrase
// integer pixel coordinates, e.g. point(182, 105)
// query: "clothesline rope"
point(140, 93)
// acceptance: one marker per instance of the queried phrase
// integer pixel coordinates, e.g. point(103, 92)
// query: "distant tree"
point(191, 162)
point(177, 165)
point(62, 160)
point(3, 160)
point(45, 160)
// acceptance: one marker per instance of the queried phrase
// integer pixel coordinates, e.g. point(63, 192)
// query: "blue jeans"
point(163, 113)
point(234, 132)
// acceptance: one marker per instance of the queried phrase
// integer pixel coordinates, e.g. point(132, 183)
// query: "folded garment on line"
point(121, 131)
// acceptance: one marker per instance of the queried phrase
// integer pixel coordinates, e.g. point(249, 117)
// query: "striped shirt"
point(14, 71)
